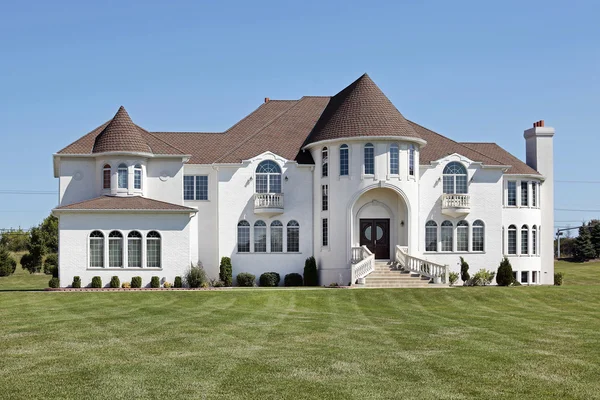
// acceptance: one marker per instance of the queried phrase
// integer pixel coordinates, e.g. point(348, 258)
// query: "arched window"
point(447, 236)
point(137, 176)
point(455, 178)
point(115, 249)
point(134, 249)
point(293, 237)
point(268, 177)
point(394, 159)
point(276, 237)
point(106, 177)
point(260, 237)
point(524, 239)
point(478, 235)
point(122, 175)
point(462, 236)
point(411, 160)
point(369, 159)
point(344, 160)
point(534, 240)
point(512, 239)
point(153, 249)
point(243, 239)
point(324, 162)
point(431, 242)
point(96, 249)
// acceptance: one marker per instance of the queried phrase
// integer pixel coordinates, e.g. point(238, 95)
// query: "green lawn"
point(579, 273)
point(22, 279)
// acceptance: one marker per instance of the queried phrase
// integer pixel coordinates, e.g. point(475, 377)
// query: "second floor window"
point(106, 177)
point(411, 160)
point(122, 176)
point(324, 198)
point(512, 239)
point(394, 159)
point(455, 178)
point(195, 187)
point(137, 177)
point(524, 194)
point(344, 160)
point(369, 159)
point(268, 177)
point(325, 162)
point(534, 187)
point(512, 193)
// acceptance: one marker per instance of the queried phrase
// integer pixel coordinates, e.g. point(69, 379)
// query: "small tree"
point(464, 270)
point(7, 264)
point(51, 265)
point(29, 263)
point(505, 277)
point(595, 238)
point(226, 271)
point(195, 276)
point(311, 275)
point(453, 277)
point(115, 282)
point(583, 249)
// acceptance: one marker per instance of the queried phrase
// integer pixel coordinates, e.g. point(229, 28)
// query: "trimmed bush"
point(31, 263)
point(167, 285)
point(178, 283)
point(269, 279)
point(558, 278)
point(195, 276)
point(505, 277)
point(483, 277)
point(53, 283)
point(311, 276)
point(453, 277)
point(245, 279)
point(226, 271)
point(292, 279)
point(115, 282)
point(464, 271)
point(76, 282)
point(155, 282)
point(51, 265)
point(136, 282)
point(126, 285)
point(8, 265)
point(96, 282)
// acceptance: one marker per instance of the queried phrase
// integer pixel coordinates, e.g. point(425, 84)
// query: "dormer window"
point(137, 176)
point(106, 177)
point(268, 177)
point(122, 176)
point(455, 178)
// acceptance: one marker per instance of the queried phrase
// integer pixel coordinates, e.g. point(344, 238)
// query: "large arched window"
point(447, 236)
point(260, 237)
point(462, 236)
point(478, 235)
point(512, 239)
point(411, 160)
point(122, 176)
point(293, 237)
point(115, 249)
point(455, 178)
point(243, 239)
point(431, 243)
point(106, 177)
point(344, 157)
point(394, 159)
point(534, 240)
point(276, 237)
point(268, 177)
point(324, 162)
point(137, 176)
point(369, 157)
point(524, 239)
point(134, 249)
point(96, 249)
point(153, 249)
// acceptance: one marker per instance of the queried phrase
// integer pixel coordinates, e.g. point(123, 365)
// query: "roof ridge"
point(159, 139)
point(185, 132)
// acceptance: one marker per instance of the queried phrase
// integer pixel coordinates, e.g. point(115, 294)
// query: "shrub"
point(204, 285)
point(51, 265)
point(464, 270)
point(334, 284)
point(516, 283)
point(7, 264)
point(558, 278)
point(245, 279)
point(505, 277)
point(76, 282)
point(195, 276)
point(453, 277)
point(483, 277)
point(225, 271)
point(155, 282)
point(114, 282)
point(53, 283)
point(178, 283)
point(30, 263)
point(311, 276)
point(292, 279)
point(269, 279)
point(126, 285)
point(167, 285)
point(136, 282)
point(96, 282)
point(217, 283)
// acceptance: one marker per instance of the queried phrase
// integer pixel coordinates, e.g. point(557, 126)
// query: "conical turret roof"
point(122, 135)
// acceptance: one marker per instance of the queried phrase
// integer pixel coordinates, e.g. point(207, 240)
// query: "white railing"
point(455, 201)
point(363, 263)
point(421, 266)
point(268, 200)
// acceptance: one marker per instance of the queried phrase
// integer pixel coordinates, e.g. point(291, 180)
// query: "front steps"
point(387, 276)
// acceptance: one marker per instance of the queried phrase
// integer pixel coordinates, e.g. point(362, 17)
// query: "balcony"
point(268, 203)
point(456, 205)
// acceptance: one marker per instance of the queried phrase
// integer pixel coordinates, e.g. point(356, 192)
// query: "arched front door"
point(375, 234)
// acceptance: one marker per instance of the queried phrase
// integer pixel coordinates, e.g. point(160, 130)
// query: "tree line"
point(584, 247)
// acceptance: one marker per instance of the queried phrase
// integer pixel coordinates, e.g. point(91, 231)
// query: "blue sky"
point(468, 69)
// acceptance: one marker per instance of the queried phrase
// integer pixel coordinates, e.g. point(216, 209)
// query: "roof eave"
point(419, 141)
point(104, 210)
point(123, 153)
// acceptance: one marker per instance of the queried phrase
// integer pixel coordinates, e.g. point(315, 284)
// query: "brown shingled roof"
point(116, 203)
point(121, 134)
point(493, 150)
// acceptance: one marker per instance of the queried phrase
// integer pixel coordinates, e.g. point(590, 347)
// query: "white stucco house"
point(346, 179)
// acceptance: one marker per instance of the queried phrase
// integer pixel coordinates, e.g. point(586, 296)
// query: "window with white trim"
point(511, 187)
point(447, 236)
point(524, 239)
point(325, 232)
point(106, 177)
point(96, 249)
point(344, 157)
point(394, 159)
point(431, 243)
point(153, 249)
point(324, 197)
point(115, 249)
point(411, 160)
point(524, 194)
point(243, 237)
point(462, 236)
point(293, 237)
point(534, 191)
point(260, 237)
point(478, 235)
point(276, 237)
point(534, 277)
point(195, 187)
point(534, 240)
point(455, 178)
point(137, 176)
point(122, 176)
point(512, 239)
point(524, 276)
point(134, 249)
point(324, 162)
point(369, 156)
point(268, 177)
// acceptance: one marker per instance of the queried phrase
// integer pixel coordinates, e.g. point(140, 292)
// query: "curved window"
point(344, 160)
point(134, 249)
point(369, 159)
point(137, 176)
point(324, 162)
point(276, 237)
point(268, 177)
point(260, 237)
point(106, 177)
point(293, 237)
point(115, 249)
point(411, 160)
point(455, 178)
point(153, 249)
point(534, 240)
point(243, 239)
point(462, 236)
point(447, 236)
point(122, 175)
point(431, 243)
point(478, 235)
point(394, 159)
point(96, 249)
point(512, 239)
point(524, 239)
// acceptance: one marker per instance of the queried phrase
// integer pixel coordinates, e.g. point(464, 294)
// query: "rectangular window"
point(293, 239)
point(134, 250)
point(411, 160)
point(461, 184)
point(524, 276)
point(276, 239)
point(534, 241)
point(188, 188)
point(524, 241)
point(325, 232)
point(137, 179)
point(462, 238)
point(448, 184)
point(260, 239)
point(324, 197)
point(195, 187)
point(447, 238)
point(524, 194)
point(122, 175)
point(394, 160)
point(512, 193)
point(106, 179)
point(478, 238)
point(369, 160)
point(512, 241)
point(344, 160)
point(243, 239)
point(534, 187)
point(202, 187)
point(115, 253)
point(534, 277)
point(431, 238)
point(97, 253)
point(153, 253)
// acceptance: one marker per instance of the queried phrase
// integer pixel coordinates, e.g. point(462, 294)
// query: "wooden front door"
point(375, 234)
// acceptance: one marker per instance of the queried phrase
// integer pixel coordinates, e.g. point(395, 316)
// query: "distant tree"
point(43, 239)
point(15, 241)
point(595, 237)
point(583, 249)
point(464, 270)
point(7, 263)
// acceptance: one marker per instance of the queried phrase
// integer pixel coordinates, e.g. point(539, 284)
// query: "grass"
point(22, 279)
point(587, 273)
point(521, 342)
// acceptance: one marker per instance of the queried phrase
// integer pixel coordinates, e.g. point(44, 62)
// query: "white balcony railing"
point(455, 201)
point(268, 201)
